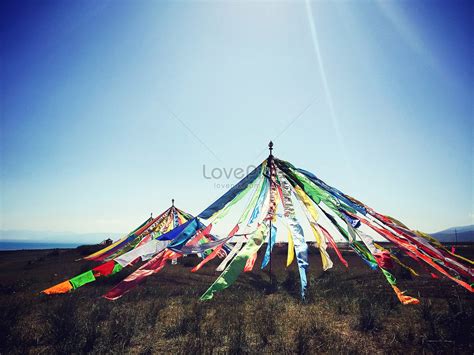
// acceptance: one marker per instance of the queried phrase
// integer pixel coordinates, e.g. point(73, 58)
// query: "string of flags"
point(273, 192)
point(139, 245)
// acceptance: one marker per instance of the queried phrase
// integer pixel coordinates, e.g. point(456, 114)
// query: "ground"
point(347, 310)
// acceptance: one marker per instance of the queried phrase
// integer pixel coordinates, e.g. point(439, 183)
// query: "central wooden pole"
point(270, 164)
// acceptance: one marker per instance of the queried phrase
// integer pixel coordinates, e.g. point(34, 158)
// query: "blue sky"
point(110, 109)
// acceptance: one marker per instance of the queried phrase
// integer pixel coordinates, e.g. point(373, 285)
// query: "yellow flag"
point(320, 240)
point(291, 248)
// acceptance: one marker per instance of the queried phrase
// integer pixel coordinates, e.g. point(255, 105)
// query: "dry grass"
point(346, 312)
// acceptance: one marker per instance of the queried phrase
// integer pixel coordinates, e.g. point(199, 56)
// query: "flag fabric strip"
point(216, 250)
point(62, 287)
point(82, 279)
point(100, 252)
point(144, 252)
point(298, 240)
point(270, 244)
point(230, 256)
point(138, 276)
point(312, 217)
point(232, 271)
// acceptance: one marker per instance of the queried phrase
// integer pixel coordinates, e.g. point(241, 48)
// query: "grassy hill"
point(347, 311)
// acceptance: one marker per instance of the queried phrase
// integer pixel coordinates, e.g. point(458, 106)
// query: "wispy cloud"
point(326, 89)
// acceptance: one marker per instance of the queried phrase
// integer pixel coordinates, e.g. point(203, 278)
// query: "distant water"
point(32, 245)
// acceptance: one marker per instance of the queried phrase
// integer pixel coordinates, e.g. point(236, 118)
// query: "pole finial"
point(270, 147)
point(172, 202)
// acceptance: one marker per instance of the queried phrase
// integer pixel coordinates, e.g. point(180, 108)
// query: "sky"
point(109, 109)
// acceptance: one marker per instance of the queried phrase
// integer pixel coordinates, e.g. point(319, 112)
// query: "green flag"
point(233, 270)
point(82, 279)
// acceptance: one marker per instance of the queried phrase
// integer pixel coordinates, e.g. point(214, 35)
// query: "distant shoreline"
point(18, 246)
point(25, 246)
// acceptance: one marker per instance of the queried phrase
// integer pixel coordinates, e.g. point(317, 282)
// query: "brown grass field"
point(346, 311)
